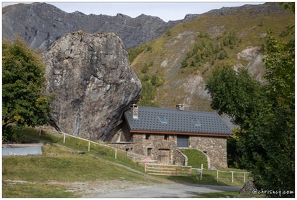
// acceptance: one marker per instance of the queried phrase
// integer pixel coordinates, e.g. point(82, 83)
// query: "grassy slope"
point(172, 48)
point(63, 164)
point(195, 158)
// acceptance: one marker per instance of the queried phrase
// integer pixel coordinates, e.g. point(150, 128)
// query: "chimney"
point(180, 107)
point(134, 109)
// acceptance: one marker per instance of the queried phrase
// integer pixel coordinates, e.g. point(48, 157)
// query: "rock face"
point(248, 188)
point(92, 81)
point(40, 24)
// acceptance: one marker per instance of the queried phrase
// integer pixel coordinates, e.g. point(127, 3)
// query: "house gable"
point(156, 134)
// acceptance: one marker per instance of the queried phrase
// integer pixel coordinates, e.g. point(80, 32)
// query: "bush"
point(168, 33)
point(144, 68)
point(149, 48)
point(184, 63)
point(8, 134)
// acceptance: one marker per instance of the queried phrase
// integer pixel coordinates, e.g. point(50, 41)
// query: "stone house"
point(159, 133)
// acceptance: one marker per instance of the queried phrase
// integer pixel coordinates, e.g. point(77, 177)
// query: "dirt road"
point(174, 190)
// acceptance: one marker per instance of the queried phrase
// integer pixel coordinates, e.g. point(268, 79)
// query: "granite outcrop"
point(92, 81)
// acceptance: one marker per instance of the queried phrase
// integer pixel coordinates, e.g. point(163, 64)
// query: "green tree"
point(234, 93)
point(184, 63)
point(23, 101)
point(265, 114)
point(288, 6)
point(234, 154)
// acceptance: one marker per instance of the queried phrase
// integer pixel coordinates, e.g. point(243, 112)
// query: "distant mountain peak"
point(40, 24)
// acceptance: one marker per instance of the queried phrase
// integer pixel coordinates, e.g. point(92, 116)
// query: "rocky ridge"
point(254, 10)
point(40, 24)
point(92, 81)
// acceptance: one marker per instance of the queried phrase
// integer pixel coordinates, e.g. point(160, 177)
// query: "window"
point(147, 136)
point(149, 151)
point(183, 141)
point(196, 122)
point(162, 119)
point(166, 137)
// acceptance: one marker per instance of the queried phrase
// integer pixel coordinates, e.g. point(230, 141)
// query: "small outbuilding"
point(159, 133)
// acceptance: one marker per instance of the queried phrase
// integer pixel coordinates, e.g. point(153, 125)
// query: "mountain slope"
point(185, 55)
point(40, 24)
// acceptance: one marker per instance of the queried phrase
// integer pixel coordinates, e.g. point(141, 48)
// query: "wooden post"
point(232, 175)
point(145, 167)
point(244, 177)
point(217, 176)
point(89, 146)
point(201, 172)
point(115, 154)
point(64, 138)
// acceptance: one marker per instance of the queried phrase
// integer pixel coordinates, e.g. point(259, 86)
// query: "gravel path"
point(128, 189)
point(175, 190)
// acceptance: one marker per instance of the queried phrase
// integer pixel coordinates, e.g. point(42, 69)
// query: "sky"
point(166, 10)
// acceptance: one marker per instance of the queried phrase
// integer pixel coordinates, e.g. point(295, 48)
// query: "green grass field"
point(63, 164)
point(31, 176)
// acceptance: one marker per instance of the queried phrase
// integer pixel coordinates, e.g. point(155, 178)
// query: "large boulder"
point(92, 81)
point(248, 188)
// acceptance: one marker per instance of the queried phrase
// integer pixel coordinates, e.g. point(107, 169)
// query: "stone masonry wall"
point(215, 148)
point(155, 142)
point(179, 158)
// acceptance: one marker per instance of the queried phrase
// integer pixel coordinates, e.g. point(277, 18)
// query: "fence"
point(168, 170)
point(129, 154)
point(89, 142)
point(222, 175)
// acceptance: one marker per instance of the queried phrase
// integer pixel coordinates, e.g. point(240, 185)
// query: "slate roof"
point(178, 121)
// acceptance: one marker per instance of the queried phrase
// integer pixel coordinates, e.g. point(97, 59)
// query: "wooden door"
point(163, 156)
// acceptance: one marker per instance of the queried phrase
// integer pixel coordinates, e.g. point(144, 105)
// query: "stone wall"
point(155, 142)
point(180, 159)
point(215, 148)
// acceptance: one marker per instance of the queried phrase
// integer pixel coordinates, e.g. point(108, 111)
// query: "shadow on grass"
point(26, 135)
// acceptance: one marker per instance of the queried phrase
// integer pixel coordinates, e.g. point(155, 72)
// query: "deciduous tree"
point(23, 101)
point(266, 115)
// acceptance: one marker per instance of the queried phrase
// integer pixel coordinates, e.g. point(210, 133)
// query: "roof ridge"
point(174, 109)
